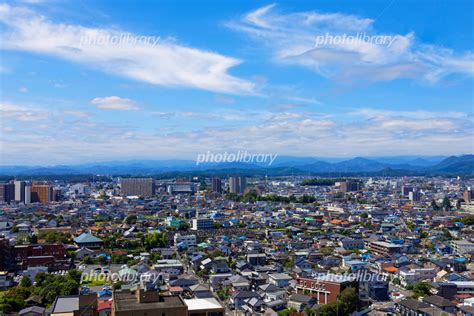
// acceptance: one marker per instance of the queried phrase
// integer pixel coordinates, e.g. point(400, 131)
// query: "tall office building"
point(7, 192)
point(27, 194)
point(468, 195)
point(42, 193)
point(350, 186)
point(406, 190)
point(237, 185)
point(20, 191)
point(137, 186)
point(217, 185)
point(56, 195)
point(414, 195)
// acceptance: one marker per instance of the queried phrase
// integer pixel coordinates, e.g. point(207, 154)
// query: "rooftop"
point(198, 304)
point(127, 301)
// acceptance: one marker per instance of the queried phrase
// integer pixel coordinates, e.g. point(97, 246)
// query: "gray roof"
point(66, 304)
point(438, 301)
point(32, 309)
point(87, 238)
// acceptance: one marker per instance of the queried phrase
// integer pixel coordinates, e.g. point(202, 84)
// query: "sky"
point(87, 81)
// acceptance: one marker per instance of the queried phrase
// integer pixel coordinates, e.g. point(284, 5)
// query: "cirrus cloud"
point(308, 39)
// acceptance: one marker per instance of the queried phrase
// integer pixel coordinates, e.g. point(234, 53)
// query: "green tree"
point(131, 219)
point(25, 281)
point(347, 303)
point(421, 289)
point(155, 240)
point(33, 239)
point(446, 203)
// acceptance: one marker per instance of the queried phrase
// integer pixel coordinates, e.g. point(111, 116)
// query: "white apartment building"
point(461, 247)
point(187, 240)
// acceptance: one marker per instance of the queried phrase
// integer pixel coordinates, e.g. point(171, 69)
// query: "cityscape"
point(236, 158)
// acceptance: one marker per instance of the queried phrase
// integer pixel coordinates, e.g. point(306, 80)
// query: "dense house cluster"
point(247, 246)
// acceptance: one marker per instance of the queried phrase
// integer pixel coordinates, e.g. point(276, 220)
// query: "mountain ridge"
point(427, 165)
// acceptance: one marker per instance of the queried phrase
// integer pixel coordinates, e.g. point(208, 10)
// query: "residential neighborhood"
point(290, 245)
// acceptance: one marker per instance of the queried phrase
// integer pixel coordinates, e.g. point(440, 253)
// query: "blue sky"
point(86, 81)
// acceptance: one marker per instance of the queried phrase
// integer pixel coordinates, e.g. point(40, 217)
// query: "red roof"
point(102, 305)
point(175, 289)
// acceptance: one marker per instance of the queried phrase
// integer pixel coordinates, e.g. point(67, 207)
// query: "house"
point(219, 266)
point(257, 259)
point(238, 299)
point(32, 311)
point(104, 308)
point(253, 305)
point(351, 243)
point(271, 292)
point(411, 307)
point(355, 265)
point(75, 305)
point(87, 240)
point(441, 303)
point(299, 302)
point(201, 291)
point(279, 279)
point(82, 252)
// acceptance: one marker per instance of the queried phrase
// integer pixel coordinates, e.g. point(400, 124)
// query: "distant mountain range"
point(283, 165)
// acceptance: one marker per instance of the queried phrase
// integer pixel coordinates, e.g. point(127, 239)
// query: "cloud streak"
point(163, 63)
point(115, 103)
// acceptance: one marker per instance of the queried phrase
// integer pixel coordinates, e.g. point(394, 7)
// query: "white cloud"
point(157, 62)
point(365, 132)
point(23, 90)
point(114, 103)
point(78, 114)
point(21, 113)
point(309, 39)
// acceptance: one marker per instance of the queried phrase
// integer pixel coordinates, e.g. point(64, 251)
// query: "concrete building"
point(137, 186)
point(217, 185)
point(20, 191)
point(461, 247)
point(325, 288)
point(405, 191)
point(414, 196)
point(42, 193)
point(27, 194)
point(468, 195)
point(202, 223)
point(7, 192)
point(204, 307)
point(350, 186)
point(186, 240)
point(384, 248)
point(181, 187)
point(147, 303)
point(237, 185)
point(412, 275)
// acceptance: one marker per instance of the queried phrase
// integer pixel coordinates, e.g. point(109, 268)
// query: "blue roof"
point(105, 293)
point(87, 238)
